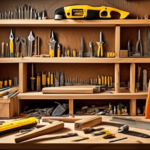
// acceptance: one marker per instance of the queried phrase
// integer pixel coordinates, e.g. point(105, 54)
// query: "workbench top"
point(94, 142)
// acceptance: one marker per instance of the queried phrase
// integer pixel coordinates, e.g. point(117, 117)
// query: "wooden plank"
point(62, 90)
point(133, 107)
point(102, 96)
point(117, 78)
point(22, 77)
point(74, 23)
point(71, 107)
point(117, 41)
point(132, 78)
point(74, 60)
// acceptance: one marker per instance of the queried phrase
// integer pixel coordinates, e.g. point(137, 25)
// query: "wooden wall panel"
point(125, 73)
point(66, 36)
point(9, 71)
point(136, 8)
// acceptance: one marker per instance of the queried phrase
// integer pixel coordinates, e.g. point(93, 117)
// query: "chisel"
point(11, 38)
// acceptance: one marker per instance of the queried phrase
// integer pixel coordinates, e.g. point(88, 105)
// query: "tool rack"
point(117, 61)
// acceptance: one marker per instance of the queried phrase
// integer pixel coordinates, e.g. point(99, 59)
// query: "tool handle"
point(11, 47)
point(38, 132)
point(72, 120)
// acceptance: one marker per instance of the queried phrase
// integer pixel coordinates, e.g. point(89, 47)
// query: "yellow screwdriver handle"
point(51, 53)
point(101, 50)
point(11, 47)
point(98, 52)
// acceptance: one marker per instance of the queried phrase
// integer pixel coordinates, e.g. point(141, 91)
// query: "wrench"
point(17, 42)
point(24, 45)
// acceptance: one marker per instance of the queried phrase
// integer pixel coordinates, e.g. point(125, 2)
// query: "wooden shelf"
point(74, 60)
point(74, 23)
point(5, 101)
point(39, 95)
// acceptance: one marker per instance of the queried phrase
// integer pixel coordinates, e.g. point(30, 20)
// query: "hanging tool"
point(10, 14)
point(148, 43)
point(32, 78)
point(24, 45)
point(6, 15)
point(3, 50)
point(139, 48)
point(87, 12)
point(38, 83)
point(100, 47)
point(11, 38)
point(16, 13)
point(91, 49)
point(58, 50)
point(52, 44)
point(81, 48)
point(30, 43)
point(129, 48)
point(17, 42)
point(31, 15)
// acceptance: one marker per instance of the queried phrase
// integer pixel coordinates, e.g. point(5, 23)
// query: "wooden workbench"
point(43, 142)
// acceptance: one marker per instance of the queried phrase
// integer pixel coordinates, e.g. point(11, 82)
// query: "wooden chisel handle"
point(41, 131)
point(72, 120)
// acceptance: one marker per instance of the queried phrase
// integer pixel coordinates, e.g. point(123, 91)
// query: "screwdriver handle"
point(11, 48)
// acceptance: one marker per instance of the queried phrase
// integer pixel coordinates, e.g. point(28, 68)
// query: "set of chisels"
point(25, 12)
point(56, 79)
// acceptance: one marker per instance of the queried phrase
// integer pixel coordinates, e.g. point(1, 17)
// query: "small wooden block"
point(123, 53)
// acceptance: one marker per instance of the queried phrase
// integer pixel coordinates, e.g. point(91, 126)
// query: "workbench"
point(97, 142)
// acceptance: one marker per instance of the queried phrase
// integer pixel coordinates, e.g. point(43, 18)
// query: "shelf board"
point(40, 95)
point(4, 101)
point(74, 23)
point(74, 60)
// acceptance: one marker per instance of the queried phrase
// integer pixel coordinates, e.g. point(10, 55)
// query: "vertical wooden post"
point(117, 78)
point(22, 77)
point(71, 107)
point(132, 78)
point(133, 107)
point(117, 41)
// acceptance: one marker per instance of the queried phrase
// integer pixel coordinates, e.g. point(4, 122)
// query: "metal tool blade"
point(3, 15)
point(101, 38)
point(139, 34)
point(91, 49)
point(17, 42)
point(30, 45)
point(81, 48)
point(0, 15)
point(24, 45)
point(19, 12)
point(148, 40)
point(31, 15)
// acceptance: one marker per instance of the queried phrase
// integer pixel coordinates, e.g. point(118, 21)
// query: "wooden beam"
point(22, 77)
point(132, 78)
point(133, 107)
point(117, 78)
point(71, 107)
point(117, 41)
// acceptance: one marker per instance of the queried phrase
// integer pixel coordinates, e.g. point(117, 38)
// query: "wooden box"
point(8, 108)
point(123, 53)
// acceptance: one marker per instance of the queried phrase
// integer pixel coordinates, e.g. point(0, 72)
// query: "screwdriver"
point(11, 38)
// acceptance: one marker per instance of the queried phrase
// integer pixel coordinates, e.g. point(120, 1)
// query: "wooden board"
point(39, 95)
point(4, 110)
point(61, 90)
point(132, 143)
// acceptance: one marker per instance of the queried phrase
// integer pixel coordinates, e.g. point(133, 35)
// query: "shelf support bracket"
point(133, 107)
point(117, 78)
point(132, 78)
point(117, 41)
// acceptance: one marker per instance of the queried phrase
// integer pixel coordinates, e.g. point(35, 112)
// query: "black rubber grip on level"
point(60, 11)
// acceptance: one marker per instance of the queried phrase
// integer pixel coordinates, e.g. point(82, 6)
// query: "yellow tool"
point(17, 125)
point(99, 80)
point(11, 38)
point(87, 12)
point(58, 50)
point(52, 44)
point(52, 79)
point(74, 53)
point(106, 134)
point(100, 47)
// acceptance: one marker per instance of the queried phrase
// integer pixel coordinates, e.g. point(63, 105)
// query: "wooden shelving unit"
point(116, 24)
